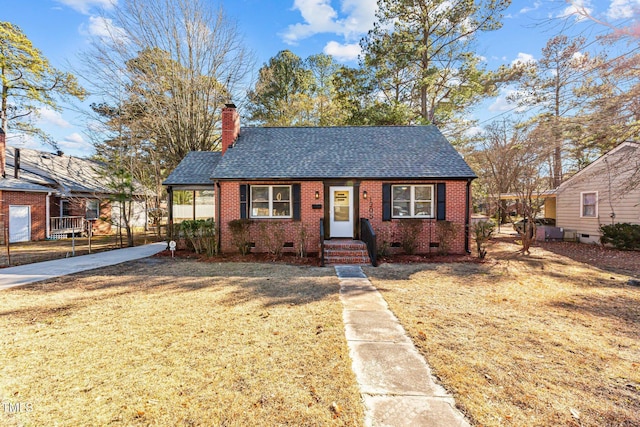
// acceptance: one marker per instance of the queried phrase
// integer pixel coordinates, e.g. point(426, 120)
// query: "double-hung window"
point(412, 201)
point(93, 209)
point(270, 201)
point(589, 204)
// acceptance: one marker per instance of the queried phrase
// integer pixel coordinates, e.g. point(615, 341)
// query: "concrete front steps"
point(345, 251)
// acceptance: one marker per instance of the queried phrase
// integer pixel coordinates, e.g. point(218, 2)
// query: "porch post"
point(47, 226)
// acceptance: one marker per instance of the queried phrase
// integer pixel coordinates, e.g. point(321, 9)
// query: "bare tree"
point(512, 158)
point(175, 62)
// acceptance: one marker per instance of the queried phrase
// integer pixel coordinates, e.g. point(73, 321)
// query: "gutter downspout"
point(467, 216)
point(216, 184)
point(48, 216)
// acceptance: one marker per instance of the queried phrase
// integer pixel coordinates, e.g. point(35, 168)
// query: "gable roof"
point(196, 168)
point(400, 152)
point(67, 175)
point(627, 152)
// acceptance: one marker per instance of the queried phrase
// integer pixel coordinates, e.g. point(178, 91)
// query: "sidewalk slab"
point(392, 368)
point(373, 325)
point(30, 273)
point(411, 411)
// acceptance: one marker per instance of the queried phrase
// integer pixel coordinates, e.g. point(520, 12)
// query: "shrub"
point(383, 240)
point(409, 230)
point(445, 231)
point(240, 234)
point(302, 241)
point(482, 231)
point(621, 235)
point(272, 234)
point(201, 234)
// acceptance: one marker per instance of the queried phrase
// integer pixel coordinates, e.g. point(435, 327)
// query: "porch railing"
point(321, 242)
point(67, 224)
point(368, 236)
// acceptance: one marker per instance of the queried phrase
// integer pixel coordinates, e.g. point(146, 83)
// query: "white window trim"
point(412, 202)
point(582, 215)
point(270, 187)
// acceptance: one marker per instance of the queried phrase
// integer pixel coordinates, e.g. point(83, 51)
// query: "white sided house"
point(605, 192)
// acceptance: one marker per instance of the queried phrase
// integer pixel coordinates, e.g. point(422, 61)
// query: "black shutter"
point(386, 202)
point(243, 201)
point(295, 190)
point(442, 202)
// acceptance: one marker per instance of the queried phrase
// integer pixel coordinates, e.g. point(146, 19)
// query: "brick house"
point(335, 184)
point(51, 195)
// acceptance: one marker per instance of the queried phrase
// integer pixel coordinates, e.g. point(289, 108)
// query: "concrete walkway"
point(395, 381)
point(29, 273)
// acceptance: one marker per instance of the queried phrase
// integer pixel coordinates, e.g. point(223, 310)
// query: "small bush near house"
point(384, 238)
point(482, 231)
point(302, 241)
point(445, 231)
point(240, 234)
point(409, 230)
point(201, 233)
point(272, 235)
point(622, 235)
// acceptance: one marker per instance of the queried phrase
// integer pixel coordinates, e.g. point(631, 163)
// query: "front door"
point(341, 212)
point(19, 224)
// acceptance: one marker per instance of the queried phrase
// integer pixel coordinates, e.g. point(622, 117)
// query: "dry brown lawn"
point(524, 341)
point(166, 342)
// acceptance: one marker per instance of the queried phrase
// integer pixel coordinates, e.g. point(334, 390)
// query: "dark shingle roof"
point(341, 152)
point(195, 168)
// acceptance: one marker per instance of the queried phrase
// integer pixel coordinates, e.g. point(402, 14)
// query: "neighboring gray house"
point(605, 192)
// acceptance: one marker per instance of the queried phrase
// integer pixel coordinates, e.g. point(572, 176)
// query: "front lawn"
point(524, 341)
point(178, 342)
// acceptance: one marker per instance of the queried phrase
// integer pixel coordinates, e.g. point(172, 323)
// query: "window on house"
point(270, 201)
point(65, 208)
point(93, 209)
point(589, 204)
point(411, 201)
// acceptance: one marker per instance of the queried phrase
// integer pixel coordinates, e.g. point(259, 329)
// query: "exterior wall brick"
point(370, 208)
point(38, 203)
point(309, 223)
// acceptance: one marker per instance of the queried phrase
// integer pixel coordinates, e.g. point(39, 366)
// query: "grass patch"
point(536, 341)
point(179, 342)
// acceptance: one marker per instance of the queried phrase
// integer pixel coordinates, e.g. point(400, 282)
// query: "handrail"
point(368, 236)
point(67, 223)
point(321, 242)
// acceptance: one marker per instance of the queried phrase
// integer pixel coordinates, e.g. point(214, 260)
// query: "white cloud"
point(342, 52)
point(101, 27)
point(51, 117)
point(622, 9)
point(536, 6)
point(320, 17)
point(576, 8)
point(83, 6)
point(523, 58)
point(75, 145)
point(502, 104)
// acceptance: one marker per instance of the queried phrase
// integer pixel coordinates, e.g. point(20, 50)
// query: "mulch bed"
point(286, 258)
point(627, 262)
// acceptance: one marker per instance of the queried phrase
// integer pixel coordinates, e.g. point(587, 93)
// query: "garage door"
point(19, 224)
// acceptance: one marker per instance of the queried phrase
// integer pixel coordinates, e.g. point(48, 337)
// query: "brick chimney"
point(3, 153)
point(230, 126)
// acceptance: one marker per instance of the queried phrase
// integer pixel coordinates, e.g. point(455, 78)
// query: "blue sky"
point(61, 28)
